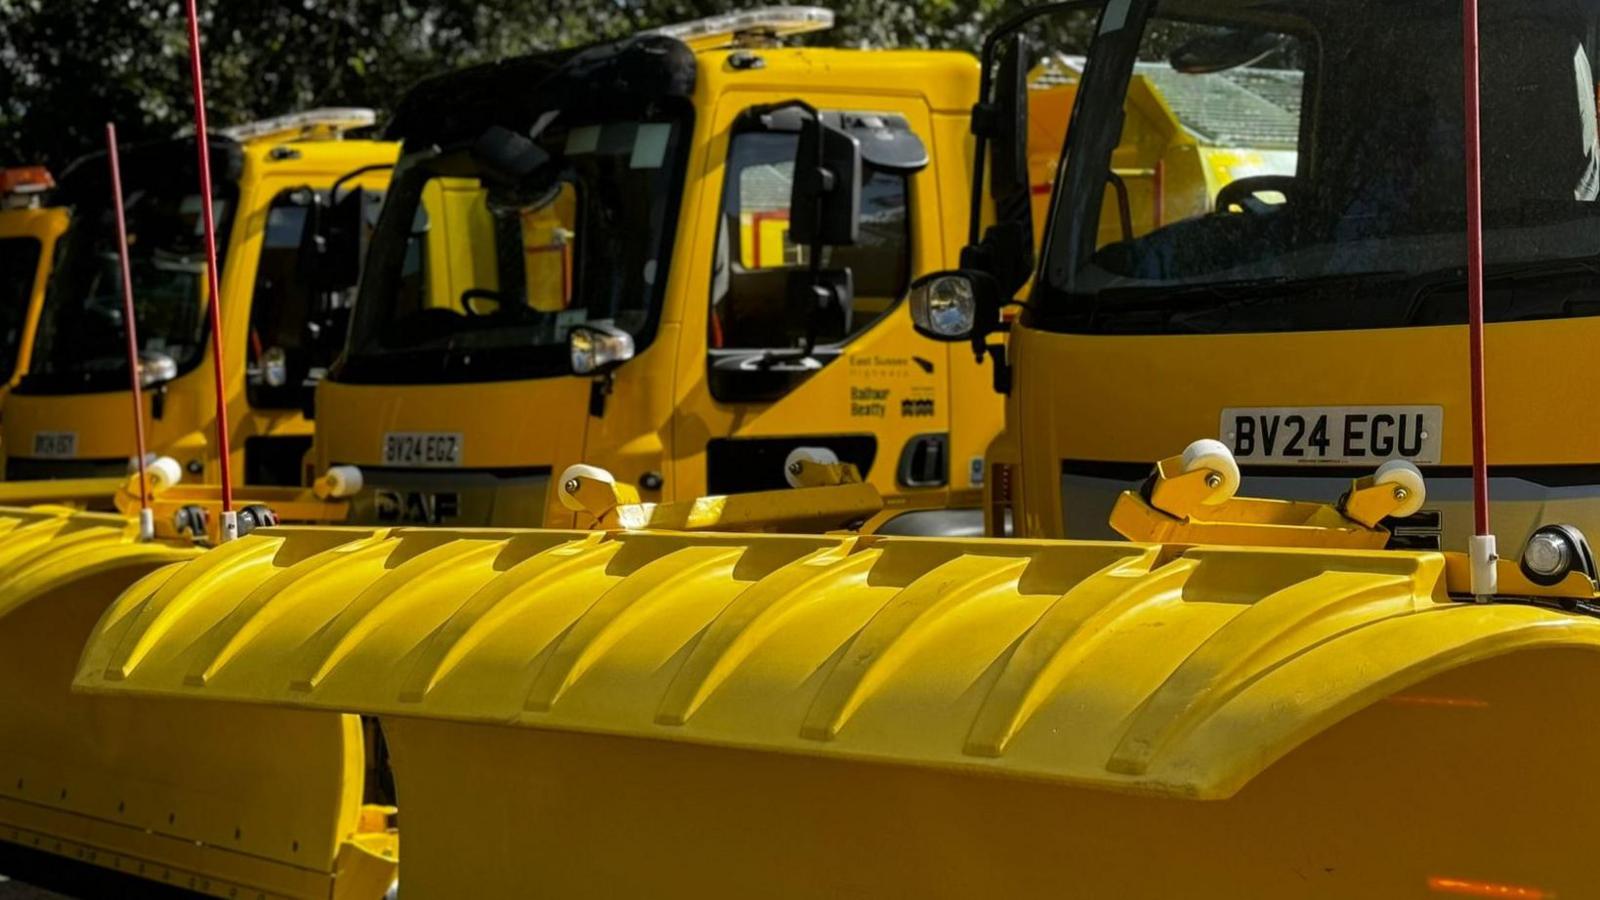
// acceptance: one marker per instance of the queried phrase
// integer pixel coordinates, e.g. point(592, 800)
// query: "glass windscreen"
point(19, 272)
point(81, 344)
point(483, 264)
point(1298, 164)
point(750, 305)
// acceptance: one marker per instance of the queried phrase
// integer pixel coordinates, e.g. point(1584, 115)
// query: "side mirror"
point(597, 348)
point(1010, 177)
point(1007, 246)
point(825, 203)
point(955, 305)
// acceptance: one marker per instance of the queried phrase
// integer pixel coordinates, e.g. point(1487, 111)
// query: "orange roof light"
point(26, 180)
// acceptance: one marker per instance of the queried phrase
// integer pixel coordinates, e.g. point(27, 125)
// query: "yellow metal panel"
point(211, 797)
point(984, 700)
point(880, 664)
point(1430, 790)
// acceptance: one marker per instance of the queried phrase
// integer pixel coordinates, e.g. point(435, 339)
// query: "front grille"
point(21, 468)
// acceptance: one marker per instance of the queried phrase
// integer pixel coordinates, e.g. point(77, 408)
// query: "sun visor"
point(624, 76)
point(158, 165)
point(887, 141)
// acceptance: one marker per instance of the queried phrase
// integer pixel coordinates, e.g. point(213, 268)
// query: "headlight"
point(1554, 552)
point(945, 306)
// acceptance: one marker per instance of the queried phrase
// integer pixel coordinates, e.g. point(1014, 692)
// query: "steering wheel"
point(1242, 193)
point(501, 300)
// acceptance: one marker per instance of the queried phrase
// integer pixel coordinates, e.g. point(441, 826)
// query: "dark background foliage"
point(67, 66)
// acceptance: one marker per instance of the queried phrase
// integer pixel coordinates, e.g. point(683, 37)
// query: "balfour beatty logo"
point(422, 507)
point(866, 401)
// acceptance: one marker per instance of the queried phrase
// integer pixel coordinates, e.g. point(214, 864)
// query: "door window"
point(750, 308)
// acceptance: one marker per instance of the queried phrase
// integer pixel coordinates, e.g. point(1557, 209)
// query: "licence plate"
point(422, 448)
point(1334, 435)
point(55, 444)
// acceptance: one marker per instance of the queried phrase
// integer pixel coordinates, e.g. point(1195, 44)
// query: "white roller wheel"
point(345, 481)
point(1403, 474)
point(1215, 456)
point(163, 473)
point(572, 473)
point(817, 456)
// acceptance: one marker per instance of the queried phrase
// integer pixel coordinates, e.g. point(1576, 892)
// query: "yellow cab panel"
point(1308, 308)
point(661, 223)
point(29, 229)
point(71, 415)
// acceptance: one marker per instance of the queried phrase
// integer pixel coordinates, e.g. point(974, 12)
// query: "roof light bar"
point(26, 180)
point(313, 124)
point(761, 27)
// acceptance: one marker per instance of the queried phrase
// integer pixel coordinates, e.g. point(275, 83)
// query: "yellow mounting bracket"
point(814, 467)
point(593, 492)
point(1191, 499)
point(194, 512)
point(839, 500)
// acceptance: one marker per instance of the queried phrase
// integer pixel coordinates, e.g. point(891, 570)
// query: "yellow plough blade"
point(657, 714)
point(201, 796)
point(77, 492)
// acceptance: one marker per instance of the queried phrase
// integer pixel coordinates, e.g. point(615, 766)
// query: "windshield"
point(483, 263)
point(1298, 164)
point(19, 271)
point(81, 345)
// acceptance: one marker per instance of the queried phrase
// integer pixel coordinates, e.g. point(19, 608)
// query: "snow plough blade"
point(658, 714)
point(199, 796)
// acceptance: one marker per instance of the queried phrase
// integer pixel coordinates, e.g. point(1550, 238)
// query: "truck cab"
point(29, 229)
point(622, 294)
point(278, 186)
point(1310, 312)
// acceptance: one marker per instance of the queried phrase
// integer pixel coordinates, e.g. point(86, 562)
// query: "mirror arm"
point(333, 190)
point(600, 387)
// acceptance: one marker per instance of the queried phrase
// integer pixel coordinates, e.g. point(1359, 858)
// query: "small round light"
point(1548, 554)
point(946, 306)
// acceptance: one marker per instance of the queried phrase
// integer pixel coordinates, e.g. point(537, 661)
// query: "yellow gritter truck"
point(64, 419)
point(1239, 698)
point(96, 798)
point(634, 298)
point(474, 278)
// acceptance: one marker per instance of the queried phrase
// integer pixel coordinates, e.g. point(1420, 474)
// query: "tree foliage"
point(68, 66)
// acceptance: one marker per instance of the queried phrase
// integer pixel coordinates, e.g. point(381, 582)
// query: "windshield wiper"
point(1527, 271)
point(1224, 295)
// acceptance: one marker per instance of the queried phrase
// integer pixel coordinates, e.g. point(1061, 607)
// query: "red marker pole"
point(230, 521)
point(1482, 550)
point(147, 524)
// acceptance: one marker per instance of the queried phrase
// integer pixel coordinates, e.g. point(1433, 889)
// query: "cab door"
point(297, 324)
point(872, 391)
